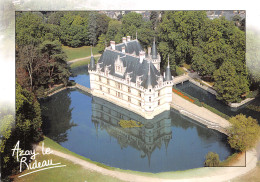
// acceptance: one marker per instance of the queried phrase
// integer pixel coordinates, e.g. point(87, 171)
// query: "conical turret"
point(92, 65)
point(168, 75)
point(148, 83)
point(154, 50)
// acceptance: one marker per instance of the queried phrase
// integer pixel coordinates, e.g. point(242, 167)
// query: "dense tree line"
point(40, 60)
point(214, 48)
point(190, 37)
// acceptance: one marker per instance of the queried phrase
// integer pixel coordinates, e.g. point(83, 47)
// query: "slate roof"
point(154, 51)
point(131, 47)
point(133, 66)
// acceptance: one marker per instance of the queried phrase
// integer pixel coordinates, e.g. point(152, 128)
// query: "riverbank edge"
point(196, 174)
point(163, 175)
point(212, 91)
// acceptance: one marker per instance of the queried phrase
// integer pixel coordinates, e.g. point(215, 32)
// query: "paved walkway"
point(198, 111)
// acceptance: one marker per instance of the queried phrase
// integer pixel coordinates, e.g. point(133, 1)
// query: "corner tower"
point(156, 59)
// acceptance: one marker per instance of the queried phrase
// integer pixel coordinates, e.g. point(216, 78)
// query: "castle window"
point(159, 93)
point(139, 94)
point(150, 90)
point(139, 103)
point(150, 99)
point(108, 90)
point(138, 83)
point(100, 78)
point(128, 80)
point(129, 99)
point(129, 89)
point(158, 102)
point(108, 81)
point(100, 87)
point(118, 85)
point(118, 94)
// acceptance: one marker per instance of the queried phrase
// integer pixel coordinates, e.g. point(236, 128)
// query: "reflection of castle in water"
point(146, 139)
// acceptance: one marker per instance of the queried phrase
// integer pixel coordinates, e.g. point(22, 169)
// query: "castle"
point(130, 78)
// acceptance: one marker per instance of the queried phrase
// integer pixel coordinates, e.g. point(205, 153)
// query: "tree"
point(202, 64)
point(229, 85)
point(212, 160)
point(154, 18)
point(130, 23)
point(101, 43)
point(181, 31)
point(29, 29)
point(243, 133)
point(75, 31)
point(54, 69)
point(114, 28)
point(27, 129)
point(146, 34)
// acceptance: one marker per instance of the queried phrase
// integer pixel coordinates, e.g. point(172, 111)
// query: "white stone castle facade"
point(128, 77)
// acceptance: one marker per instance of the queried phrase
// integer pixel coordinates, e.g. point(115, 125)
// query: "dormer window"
point(119, 66)
point(138, 81)
point(107, 70)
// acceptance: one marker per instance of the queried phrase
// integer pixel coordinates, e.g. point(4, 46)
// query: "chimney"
point(123, 49)
point(142, 56)
point(124, 39)
point(128, 38)
point(113, 45)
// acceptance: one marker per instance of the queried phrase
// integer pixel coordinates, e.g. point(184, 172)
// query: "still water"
point(89, 127)
point(211, 100)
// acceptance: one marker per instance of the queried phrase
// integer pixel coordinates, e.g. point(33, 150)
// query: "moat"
point(89, 127)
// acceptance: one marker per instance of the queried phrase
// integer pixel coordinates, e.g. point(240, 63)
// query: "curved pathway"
point(196, 175)
point(80, 59)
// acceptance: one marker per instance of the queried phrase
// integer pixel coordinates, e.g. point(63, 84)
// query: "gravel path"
point(80, 59)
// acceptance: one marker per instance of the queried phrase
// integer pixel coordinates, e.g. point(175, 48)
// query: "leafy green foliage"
point(102, 43)
point(27, 129)
point(29, 29)
point(229, 85)
point(130, 23)
point(114, 32)
point(244, 132)
point(6, 123)
point(212, 160)
point(74, 30)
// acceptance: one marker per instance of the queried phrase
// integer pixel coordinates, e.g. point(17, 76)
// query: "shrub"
point(244, 132)
point(212, 160)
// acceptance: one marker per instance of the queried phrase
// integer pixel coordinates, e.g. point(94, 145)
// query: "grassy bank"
point(71, 172)
point(82, 62)
point(79, 52)
point(231, 159)
point(166, 175)
point(75, 172)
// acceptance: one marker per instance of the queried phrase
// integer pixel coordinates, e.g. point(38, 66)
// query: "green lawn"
point(82, 62)
point(71, 172)
point(80, 52)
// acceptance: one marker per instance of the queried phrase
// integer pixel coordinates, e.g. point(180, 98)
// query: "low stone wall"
point(204, 87)
point(199, 119)
point(241, 103)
